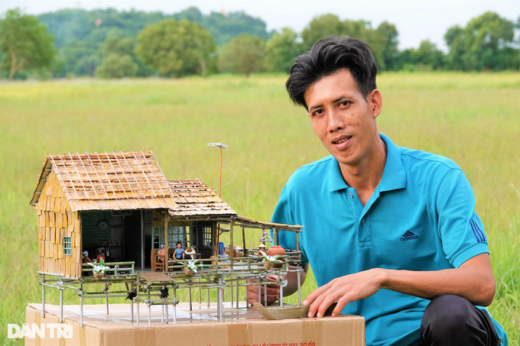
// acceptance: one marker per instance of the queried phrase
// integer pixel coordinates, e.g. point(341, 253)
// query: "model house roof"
point(127, 180)
point(193, 197)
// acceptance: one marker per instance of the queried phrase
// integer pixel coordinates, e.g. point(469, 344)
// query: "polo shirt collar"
point(394, 175)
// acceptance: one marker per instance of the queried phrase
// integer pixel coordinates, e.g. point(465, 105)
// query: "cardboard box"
point(241, 327)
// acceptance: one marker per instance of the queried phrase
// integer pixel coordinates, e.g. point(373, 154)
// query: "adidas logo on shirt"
point(409, 236)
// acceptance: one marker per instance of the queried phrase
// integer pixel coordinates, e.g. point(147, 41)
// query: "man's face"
point(341, 117)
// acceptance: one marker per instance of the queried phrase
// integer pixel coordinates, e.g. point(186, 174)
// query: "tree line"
point(113, 44)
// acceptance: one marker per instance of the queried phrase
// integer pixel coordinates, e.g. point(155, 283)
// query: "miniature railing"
point(115, 268)
point(248, 262)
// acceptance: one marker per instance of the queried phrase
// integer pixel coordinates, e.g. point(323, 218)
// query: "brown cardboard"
point(240, 328)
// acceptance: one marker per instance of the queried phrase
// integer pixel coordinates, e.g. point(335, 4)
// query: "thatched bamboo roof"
point(127, 180)
point(109, 181)
point(193, 197)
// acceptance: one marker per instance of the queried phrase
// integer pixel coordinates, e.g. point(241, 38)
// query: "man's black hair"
point(325, 58)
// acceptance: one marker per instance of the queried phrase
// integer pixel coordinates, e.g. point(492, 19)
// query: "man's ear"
point(376, 102)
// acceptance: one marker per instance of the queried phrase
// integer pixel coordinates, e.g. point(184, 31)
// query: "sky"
point(416, 20)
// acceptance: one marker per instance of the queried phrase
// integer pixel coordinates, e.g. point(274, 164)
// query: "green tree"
point(118, 58)
point(321, 27)
point(122, 47)
point(486, 43)
point(118, 45)
point(281, 50)
point(243, 54)
point(454, 39)
point(428, 55)
point(117, 66)
point(390, 51)
point(176, 48)
point(24, 43)
point(329, 24)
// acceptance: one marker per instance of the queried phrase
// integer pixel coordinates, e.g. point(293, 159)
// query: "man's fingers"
point(328, 297)
point(317, 302)
point(317, 292)
point(328, 301)
point(340, 306)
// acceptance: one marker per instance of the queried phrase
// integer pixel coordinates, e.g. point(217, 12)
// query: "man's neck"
point(366, 175)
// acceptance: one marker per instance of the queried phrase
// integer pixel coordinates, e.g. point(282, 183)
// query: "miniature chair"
point(157, 261)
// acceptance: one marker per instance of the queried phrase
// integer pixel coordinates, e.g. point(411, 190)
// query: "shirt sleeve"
point(459, 226)
point(283, 214)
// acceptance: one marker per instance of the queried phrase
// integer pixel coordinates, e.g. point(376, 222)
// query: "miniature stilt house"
point(119, 206)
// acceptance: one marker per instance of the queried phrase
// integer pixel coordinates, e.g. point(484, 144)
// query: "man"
point(410, 253)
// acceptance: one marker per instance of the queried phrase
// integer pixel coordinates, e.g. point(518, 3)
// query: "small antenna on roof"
point(221, 146)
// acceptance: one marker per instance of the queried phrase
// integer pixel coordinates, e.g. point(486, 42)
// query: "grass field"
point(470, 118)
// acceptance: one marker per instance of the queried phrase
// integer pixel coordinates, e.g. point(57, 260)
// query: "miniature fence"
point(243, 263)
point(114, 268)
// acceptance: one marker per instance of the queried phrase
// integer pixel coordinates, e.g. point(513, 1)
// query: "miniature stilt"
point(132, 310)
point(167, 316)
point(108, 311)
point(81, 307)
point(61, 305)
point(238, 293)
point(138, 311)
point(299, 286)
point(200, 295)
point(174, 306)
point(189, 294)
point(43, 297)
point(281, 290)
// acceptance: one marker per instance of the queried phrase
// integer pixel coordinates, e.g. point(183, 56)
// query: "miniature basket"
point(188, 271)
point(268, 265)
point(99, 276)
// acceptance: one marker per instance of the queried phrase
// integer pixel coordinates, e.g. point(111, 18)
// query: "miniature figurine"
point(86, 259)
point(191, 252)
point(179, 251)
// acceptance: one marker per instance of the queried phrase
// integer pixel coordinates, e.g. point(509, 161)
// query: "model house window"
point(67, 248)
point(207, 236)
point(175, 234)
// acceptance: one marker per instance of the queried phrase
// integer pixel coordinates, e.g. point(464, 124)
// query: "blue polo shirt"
point(421, 217)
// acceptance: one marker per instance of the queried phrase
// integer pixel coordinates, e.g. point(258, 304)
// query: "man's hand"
point(343, 290)
point(273, 292)
point(473, 280)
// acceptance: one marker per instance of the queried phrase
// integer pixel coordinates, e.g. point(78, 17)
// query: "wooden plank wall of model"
point(56, 220)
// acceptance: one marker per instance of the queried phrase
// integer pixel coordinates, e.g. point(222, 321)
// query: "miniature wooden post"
point(299, 269)
point(243, 240)
point(61, 304)
point(137, 297)
point(231, 248)
point(81, 305)
point(142, 240)
point(43, 296)
point(174, 290)
point(166, 243)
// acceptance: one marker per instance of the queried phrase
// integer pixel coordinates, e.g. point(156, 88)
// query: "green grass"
point(470, 118)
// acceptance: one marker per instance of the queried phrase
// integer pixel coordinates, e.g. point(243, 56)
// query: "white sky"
point(416, 20)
